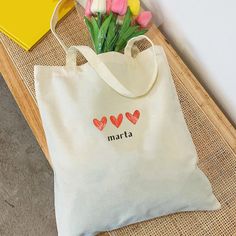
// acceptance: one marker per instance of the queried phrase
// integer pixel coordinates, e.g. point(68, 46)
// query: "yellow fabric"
point(27, 21)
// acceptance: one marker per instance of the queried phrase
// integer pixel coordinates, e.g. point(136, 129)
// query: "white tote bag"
point(120, 148)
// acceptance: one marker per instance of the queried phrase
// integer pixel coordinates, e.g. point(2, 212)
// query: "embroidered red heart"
point(100, 124)
point(133, 117)
point(116, 121)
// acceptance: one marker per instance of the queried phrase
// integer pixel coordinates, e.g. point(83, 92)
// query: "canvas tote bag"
point(120, 148)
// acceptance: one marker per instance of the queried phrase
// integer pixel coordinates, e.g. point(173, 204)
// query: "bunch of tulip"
point(112, 23)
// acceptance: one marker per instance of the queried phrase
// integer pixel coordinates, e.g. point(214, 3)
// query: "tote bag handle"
point(100, 67)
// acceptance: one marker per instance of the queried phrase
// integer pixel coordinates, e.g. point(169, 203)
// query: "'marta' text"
point(126, 134)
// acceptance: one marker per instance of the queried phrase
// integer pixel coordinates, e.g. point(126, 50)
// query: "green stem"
point(99, 19)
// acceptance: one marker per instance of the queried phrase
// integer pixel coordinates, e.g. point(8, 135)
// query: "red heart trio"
point(116, 121)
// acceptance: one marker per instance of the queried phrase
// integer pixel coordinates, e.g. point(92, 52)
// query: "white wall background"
point(204, 32)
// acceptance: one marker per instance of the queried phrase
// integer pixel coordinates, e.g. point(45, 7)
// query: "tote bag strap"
point(53, 23)
point(100, 67)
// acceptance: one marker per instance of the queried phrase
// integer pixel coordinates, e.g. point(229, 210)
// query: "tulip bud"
point(134, 6)
point(119, 7)
point(88, 12)
point(108, 6)
point(144, 18)
point(98, 6)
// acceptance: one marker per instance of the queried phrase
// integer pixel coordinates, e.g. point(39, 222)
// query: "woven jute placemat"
point(216, 159)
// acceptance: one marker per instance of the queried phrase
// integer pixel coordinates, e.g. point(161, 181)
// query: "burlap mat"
point(216, 159)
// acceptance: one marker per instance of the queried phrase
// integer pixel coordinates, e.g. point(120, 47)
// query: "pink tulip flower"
point(88, 12)
point(119, 6)
point(144, 18)
point(108, 6)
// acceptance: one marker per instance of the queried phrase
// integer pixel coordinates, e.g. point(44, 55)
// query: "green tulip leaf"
point(96, 31)
point(135, 34)
point(111, 35)
point(126, 22)
point(103, 32)
point(91, 31)
point(125, 37)
point(139, 32)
